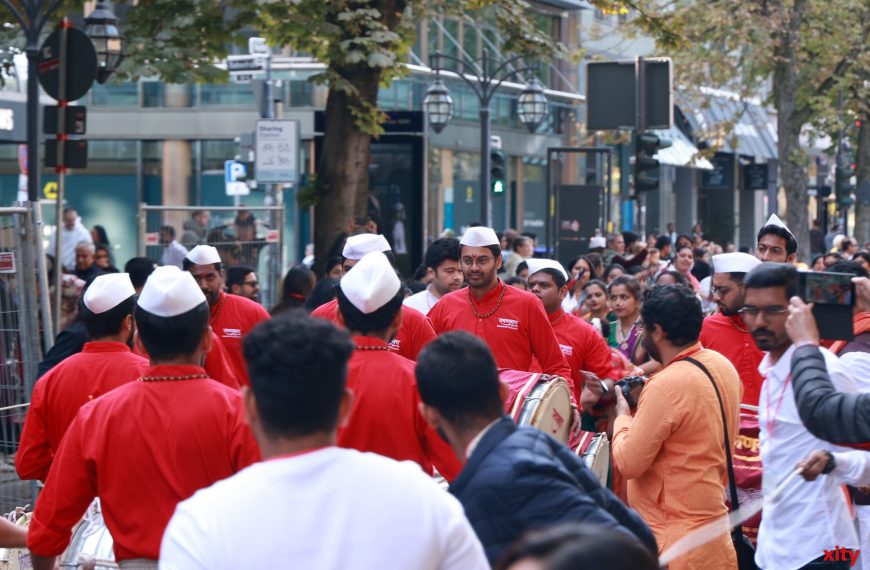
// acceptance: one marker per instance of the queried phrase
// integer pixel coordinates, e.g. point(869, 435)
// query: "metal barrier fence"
point(243, 236)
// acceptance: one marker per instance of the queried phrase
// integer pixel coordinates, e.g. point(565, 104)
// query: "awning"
point(681, 152)
point(754, 130)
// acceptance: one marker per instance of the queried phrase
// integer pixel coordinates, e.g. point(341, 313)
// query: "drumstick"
point(723, 525)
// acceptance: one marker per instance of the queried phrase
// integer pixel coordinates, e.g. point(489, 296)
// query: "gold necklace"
point(553, 324)
point(172, 378)
point(492, 312)
point(373, 347)
point(736, 326)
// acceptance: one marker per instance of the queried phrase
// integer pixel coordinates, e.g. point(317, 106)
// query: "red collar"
point(98, 346)
point(686, 353)
point(554, 317)
point(490, 296)
point(369, 341)
point(173, 370)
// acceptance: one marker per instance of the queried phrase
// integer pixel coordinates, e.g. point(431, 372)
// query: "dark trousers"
point(821, 564)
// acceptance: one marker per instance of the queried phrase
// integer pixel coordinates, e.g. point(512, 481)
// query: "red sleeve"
point(33, 458)
point(434, 317)
point(218, 365)
point(436, 449)
point(545, 347)
point(69, 489)
point(422, 333)
point(243, 447)
point(597, 358)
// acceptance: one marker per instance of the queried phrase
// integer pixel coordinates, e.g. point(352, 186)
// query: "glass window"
point(469, 38)
point(300, 93)
point(152, 94)
point(451, 36)
point(115, 95)
point(215, 152)
point(231, 95)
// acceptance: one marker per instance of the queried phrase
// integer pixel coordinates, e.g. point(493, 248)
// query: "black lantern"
point(102, 27)
point(532, 105)
point(438, 105)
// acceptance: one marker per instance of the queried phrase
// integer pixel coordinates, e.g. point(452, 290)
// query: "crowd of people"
point(213, 433)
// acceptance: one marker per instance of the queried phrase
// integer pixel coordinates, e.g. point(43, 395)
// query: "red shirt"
point(142, 449)
point(217, 364)
point(58, 395)
point(583, 347)
point(517, 331)
point(232, 317)
point(729, 337)
point(414, 333)
point(386, 418)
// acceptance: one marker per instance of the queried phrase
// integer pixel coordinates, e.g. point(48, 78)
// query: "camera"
point(631, 387)
point(833, 298)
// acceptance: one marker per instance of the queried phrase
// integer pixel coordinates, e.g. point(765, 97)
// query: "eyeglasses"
point(772, 311)
point(481, 261)
point(251, 283)
point(722, 291)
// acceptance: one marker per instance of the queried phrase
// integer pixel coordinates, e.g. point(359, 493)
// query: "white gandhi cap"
point(734, 263)
point(108, 291)
point(170, 292)
point(203, 255)
point(597, 241)
point(536, 265)
point(774, 220)
point(479, 237)
point(358, 246)
point(371, 283)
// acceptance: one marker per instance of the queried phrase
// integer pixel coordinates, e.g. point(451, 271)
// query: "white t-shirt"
point(808, 517)
point(327, 509)
point(422, 301)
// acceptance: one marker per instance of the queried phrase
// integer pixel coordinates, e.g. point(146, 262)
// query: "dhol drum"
point(594, 449)
point(17, 558)
point(91, 545)
point(539, 400)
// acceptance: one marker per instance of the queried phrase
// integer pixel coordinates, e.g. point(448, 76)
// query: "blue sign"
point(235, 174)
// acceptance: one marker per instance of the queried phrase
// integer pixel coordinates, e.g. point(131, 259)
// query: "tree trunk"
point(791, 158)
point(862, 194)
point(343, 167)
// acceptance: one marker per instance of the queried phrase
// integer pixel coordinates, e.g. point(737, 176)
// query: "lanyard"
point(770, 418)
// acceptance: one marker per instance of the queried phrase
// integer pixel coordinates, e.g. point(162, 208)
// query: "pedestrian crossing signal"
point(497, 186)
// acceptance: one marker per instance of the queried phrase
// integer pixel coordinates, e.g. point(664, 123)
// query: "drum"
point(594, 449)
point(91, 545)
point(16, 558)
point(540, 401)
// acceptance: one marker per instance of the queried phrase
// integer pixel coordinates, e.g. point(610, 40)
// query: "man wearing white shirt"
point(310, 504)
point(72, 233)
point(808, 519)
point(174, 253)
point(442, 263)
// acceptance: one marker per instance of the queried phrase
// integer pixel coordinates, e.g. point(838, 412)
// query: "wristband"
point(832, 463)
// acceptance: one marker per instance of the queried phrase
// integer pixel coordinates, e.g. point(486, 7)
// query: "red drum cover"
point(747, 468)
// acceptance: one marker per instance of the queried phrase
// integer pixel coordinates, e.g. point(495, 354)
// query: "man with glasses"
point(808, 518)
point(512, 322)
point(242, 281)
point(725, 332)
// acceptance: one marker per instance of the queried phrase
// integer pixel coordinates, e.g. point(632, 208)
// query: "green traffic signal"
point(498, 186)
point(646, 167)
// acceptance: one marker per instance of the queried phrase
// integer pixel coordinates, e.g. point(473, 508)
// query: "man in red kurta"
point(385, 417)
point(415, 332)
point(583, 347)
point(148, 444)
point(725, 331)
point(103, 364)
point(512, 322)
point(232, 316)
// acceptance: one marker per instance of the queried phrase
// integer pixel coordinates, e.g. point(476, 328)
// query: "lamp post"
point(102, 27)
point(531, 107)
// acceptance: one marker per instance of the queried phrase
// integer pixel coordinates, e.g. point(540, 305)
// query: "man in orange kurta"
point(673, 450)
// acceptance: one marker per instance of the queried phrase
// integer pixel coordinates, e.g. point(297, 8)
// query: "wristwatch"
point(832, 463)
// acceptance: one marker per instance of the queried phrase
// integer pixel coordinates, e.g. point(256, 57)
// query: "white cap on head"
point(108, 291)
point(774, 220)
point(371, 283)
point(358, 246)
point(597, 241)
point(705, 284)
point(735, 263)
point(170, 292)
point(479, 236)
point(203, 255)
point(536, 265)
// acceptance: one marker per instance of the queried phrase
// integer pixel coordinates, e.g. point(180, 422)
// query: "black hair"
point(610, 268)
point(139, 269)
point(572, 546)
point(676, 309)
point(519, 241)
point(457, 375)
point(865, 255)
point(816, 258)
point(186, 264)
point(779, 231)
point(773, 275)
point(663, 242)
point(573, 262)
point(515, 280)
point(850, 267)
point(236, 274)
point(597, 282)
point(522, 265)
point(440, 250)
point(107, 323)
point(557, 276)
point(629, 238)
point(689, 247)
point(169, 230)
point(682, 236)
point(595, 260)
point(166, 338)
point(374, 322)
point(298, 368)
point(332, 262)
point(627, 281)
point(102, 237)
point(322, 293)
point(678, 277)
point(298, 284)
point(420, 272)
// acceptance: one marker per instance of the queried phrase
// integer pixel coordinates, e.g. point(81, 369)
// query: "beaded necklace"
point(492, 312)
point(172, 378)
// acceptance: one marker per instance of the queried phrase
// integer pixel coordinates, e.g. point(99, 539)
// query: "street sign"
point(755, 177)
point(75, 153)
point(152, 238)
point(234, 176)
point(76, 118)
point(611, 94)
point(241, 77)
point(243, 63)
point(7, 262)
point(257, 46)
point(81, 62)
point(277, 154)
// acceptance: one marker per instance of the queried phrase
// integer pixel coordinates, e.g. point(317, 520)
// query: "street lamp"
point(102, 27)
point(531, 107)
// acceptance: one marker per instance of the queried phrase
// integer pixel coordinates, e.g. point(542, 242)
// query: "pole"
point(60, 169)
point(485, 208)
point(272, 196)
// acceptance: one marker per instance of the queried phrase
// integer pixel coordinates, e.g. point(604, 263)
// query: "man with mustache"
point(725, 332)
point(510, 321)
point(796, 530)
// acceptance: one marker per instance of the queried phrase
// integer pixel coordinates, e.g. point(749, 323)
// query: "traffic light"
point(646, 168)
point(843, 179)
point(497, 170)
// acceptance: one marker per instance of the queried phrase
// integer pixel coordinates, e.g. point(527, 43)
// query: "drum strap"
point(521, 397)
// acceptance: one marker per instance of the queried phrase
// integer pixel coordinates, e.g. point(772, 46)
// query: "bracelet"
point(806, 343)
point(832, 463)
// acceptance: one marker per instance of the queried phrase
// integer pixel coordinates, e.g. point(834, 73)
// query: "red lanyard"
point(770, 418)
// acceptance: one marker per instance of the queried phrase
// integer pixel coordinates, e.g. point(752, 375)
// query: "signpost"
point(277, 154)
point(234, 178)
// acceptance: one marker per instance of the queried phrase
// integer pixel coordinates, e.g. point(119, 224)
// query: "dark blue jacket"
point(519, 479)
